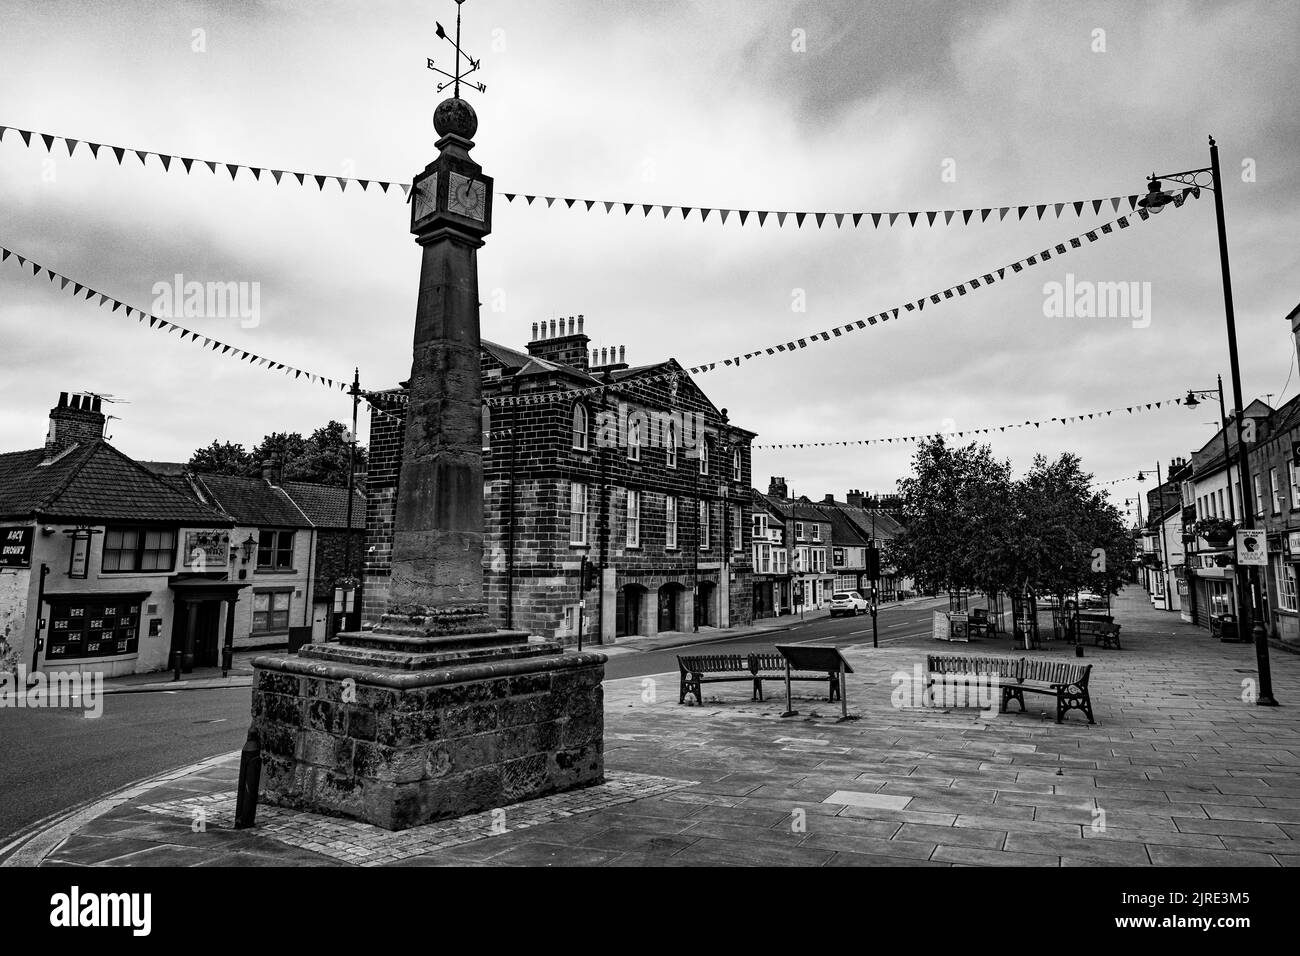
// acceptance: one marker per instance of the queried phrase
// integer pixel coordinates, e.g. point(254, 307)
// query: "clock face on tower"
point(466, 197)
point(424, 200)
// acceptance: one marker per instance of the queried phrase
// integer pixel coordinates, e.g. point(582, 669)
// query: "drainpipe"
point(603, 530)
point(510, 530)
point(40, 604)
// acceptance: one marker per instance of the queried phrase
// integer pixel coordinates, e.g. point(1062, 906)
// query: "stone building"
point(642, 476)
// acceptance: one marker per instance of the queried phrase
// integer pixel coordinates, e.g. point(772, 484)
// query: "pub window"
point(672, 445)
point(670, 522)
point(138, 549)
point(735, 465)
point(704, 456)
point(704, 526)
point(275, 550)
point(271, 611)
point(737, 532)
point(95, 626)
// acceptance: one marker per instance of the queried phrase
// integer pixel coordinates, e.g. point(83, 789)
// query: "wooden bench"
point(771, 665)
point(1101, 628)
point(698, 669)
point(1067, 682)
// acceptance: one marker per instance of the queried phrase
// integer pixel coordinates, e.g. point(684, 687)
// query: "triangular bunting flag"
point(166, 161)
point(119, 152)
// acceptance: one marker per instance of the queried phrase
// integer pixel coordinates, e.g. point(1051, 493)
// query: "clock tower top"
point(455, 116)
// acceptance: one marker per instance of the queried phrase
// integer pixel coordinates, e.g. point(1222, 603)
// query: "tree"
point(953, 505)
point(221, 458)
point(322, 458)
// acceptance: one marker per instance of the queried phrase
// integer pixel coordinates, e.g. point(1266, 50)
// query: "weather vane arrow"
point(454, 77)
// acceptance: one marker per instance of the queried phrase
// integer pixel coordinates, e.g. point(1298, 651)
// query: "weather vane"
point(454, 78)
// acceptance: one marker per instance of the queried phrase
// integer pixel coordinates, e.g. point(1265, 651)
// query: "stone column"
point(435, 713)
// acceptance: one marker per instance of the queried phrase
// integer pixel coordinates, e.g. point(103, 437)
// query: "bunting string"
point(166, 326)
point(1113, 227)
point(760, 217)
point(988, 430)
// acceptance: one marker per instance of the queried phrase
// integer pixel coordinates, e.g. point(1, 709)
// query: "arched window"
point(670, 439)
point(487, 428)
point(580, 427)
point(704, 456)
point(634, 440)
point(735, 465)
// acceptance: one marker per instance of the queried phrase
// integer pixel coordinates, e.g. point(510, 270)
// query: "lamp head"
point(1191, 401)
point(1155, 200)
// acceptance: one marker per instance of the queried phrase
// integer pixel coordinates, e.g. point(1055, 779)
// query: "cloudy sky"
point(826, 105)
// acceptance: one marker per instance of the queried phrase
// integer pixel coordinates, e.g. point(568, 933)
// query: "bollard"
point(227, 660)
point(250, 779)
point(1078, 649)
point(176, 665)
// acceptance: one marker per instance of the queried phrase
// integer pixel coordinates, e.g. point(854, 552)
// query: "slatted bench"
point(771, 665)
point(1067, 682)
point(1101, 628)
point(698, 669)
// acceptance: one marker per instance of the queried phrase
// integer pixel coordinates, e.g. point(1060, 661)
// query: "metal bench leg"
point(758, 689)
point(1087, 707)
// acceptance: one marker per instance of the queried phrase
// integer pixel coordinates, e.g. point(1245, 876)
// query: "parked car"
point(848, 602)
point(1089, 599)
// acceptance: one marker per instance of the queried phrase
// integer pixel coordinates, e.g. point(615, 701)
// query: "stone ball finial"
point(455, 116)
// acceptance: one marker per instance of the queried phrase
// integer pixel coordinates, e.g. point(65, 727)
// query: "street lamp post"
point(1191, 401)
point(1164, 543)
point(1155, 200)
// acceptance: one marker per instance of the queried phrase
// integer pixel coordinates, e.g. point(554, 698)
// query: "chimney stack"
point(74, 420)
point(776, 488)
point(564, 343)
point(854, 498)
point(829, 500)
point(273, 471)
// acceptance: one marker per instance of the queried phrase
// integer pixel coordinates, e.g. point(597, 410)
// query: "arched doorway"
point(703, 604)
point(629, 620)
point(670, 600)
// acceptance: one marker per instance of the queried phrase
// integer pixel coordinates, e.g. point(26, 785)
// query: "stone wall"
point(402, 753)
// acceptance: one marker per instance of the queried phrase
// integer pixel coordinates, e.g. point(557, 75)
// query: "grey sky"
point(694, 103)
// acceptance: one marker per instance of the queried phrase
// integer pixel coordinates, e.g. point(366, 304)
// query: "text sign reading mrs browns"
point(16, 547)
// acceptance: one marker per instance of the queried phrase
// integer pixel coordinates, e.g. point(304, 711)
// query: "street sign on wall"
point(16, 547)
point(1252, 549)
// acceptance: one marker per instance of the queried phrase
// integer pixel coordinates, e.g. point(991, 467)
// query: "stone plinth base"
point(399, 730)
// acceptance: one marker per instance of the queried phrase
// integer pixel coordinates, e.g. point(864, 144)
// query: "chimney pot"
point(579, 323)
point(534, 338)
point(63, 399)
point(622, 350)
point(571, 325)
point(552, 328)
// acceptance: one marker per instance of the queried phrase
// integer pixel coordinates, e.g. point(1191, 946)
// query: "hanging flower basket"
point(1217, 531)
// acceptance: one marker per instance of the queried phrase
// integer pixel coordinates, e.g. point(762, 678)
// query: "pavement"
point(1180, 769)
